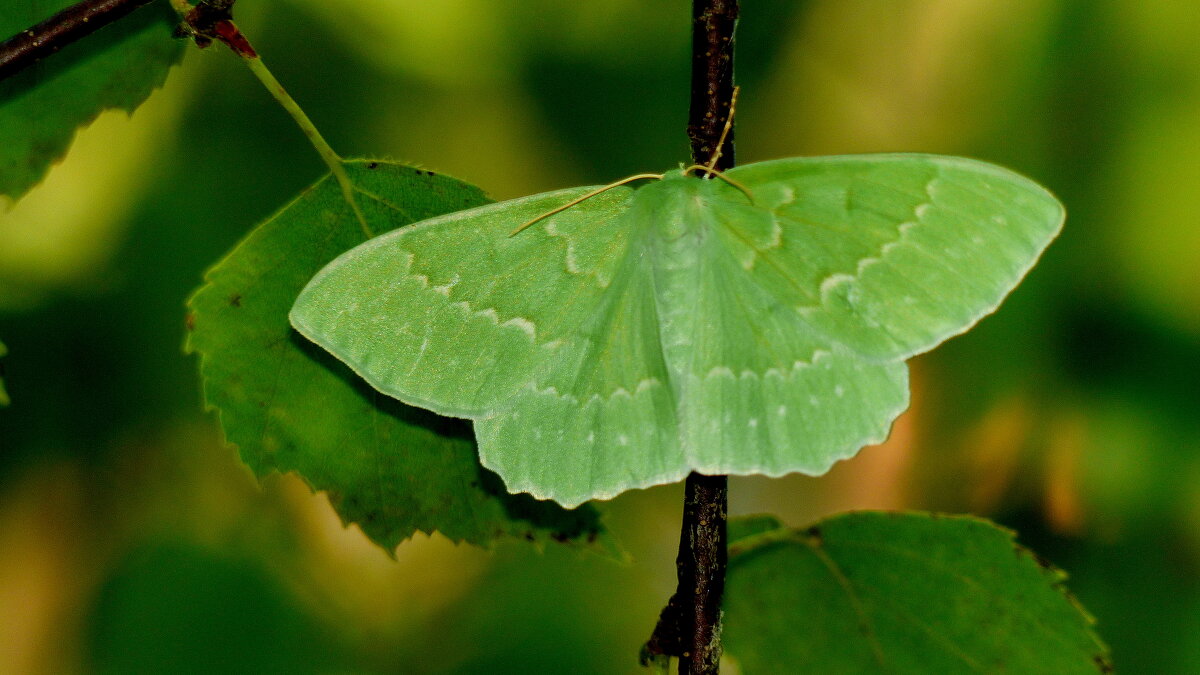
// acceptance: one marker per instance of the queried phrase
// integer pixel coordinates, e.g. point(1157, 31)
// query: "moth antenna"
point(593, 193)
point(716, 156)
point(720, 174)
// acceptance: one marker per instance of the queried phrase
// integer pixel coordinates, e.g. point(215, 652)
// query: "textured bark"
point(73, 23)
point(712, 79)
point(690, 625)
point(702, 561)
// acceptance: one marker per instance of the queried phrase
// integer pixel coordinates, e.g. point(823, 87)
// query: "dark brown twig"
point(73, 23)
point(701, 565)
point(712, 80)
point(690, 625)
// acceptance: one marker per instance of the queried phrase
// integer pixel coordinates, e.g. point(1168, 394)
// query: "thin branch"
point(701, 566)
point(712, 80)
point(73, 23)
point(702, 539)
point(690, 625)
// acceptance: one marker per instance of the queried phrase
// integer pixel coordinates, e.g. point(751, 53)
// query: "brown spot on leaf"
point(189, 322)
point(373, 165)
point(235, 300)
point(814, 535)
point(1103, 663)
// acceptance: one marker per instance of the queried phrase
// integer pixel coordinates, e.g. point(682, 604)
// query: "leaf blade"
point(290, 406)
point(904, 593)
point(41, 107)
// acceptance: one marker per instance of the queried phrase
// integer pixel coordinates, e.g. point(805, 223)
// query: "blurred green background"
point(131, 540)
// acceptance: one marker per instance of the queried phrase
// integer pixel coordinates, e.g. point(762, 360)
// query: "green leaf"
point(290, 406)
point(873, 592)
point(747, 526)
point(4, 400)
point(42, 106)
point(643, 334)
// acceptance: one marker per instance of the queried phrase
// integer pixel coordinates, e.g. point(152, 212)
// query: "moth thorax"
point(677, 209)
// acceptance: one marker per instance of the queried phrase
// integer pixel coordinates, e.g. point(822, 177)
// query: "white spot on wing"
point(776, 233)
point(553, 391)
point(646, 384)
point(524, 324)
point(570, 262)
point(719, 371)
point(931, 188)
point(834, 280)
point(444, 289)
point(572, 267)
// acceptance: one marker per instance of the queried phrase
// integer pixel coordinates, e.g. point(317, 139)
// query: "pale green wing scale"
point(893, 254)
point(645, 333)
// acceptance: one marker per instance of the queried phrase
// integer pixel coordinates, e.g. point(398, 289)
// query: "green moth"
point(755, 324)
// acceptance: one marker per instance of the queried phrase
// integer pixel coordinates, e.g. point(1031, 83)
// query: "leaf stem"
point(213, 20)
point(332, 159)
point(71, 24)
